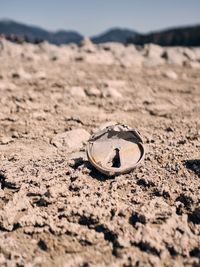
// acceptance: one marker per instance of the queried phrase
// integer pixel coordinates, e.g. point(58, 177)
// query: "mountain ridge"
point(177, 36)
point(33, 33)
point(115, 34)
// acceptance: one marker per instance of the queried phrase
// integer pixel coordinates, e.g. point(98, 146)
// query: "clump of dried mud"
point(56, 210)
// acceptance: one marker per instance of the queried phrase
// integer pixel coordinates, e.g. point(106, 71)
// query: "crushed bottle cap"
point(115, 150)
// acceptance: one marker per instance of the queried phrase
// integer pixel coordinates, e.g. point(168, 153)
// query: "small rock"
point(5, 140)
point(7, 86)
point(112, 93)
point(170, 74)
point(174, 56)
point(77, 91)
point(152, 55)
point(192, 64)
point(153, 50)
point(189, 53)
point(93, 92)
point(111, 88)
point(88, 46)
point(15, 134)
point(22, 74)
point(129, 60)
point(115, 83)
point(71, 140)
point(86, 41)
point(169, 129)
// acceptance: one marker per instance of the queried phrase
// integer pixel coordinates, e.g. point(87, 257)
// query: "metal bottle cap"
point(115, 150)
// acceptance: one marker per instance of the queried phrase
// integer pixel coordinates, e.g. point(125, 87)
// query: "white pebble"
point(71, 140)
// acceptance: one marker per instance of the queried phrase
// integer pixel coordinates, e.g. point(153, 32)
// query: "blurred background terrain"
point(164, 23)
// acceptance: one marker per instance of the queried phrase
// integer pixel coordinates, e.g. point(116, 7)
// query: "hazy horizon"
point(103, 31)
point(91, 18)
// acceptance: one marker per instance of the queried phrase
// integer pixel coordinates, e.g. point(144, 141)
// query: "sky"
point(91, 17)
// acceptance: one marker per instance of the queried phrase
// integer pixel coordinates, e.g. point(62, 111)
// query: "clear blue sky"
point(91, 17)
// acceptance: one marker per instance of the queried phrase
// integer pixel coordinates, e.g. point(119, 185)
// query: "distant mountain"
point(182, 36)
point(114, 35)
point(12, 29)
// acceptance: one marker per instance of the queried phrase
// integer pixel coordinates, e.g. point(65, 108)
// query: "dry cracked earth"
point(55, 209)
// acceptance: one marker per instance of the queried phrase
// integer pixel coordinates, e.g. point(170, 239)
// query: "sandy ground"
point(55, 209)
